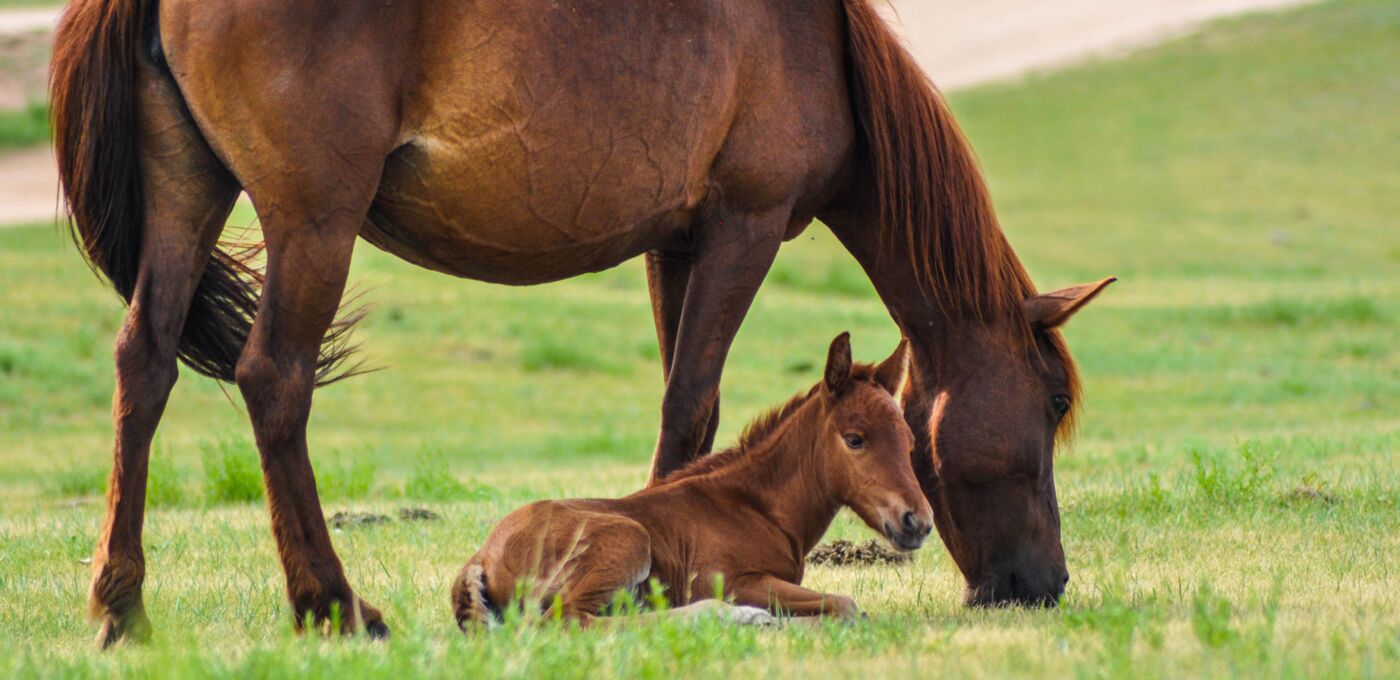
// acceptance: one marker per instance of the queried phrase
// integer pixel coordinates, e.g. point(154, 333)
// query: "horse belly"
point(482, 209)
point(545, 140)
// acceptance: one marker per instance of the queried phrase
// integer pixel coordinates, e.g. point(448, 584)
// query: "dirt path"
point(23, 20)
point(960, 43)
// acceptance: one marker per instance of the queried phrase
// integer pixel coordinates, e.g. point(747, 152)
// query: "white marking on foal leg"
point(743, 616)
point(751, 616)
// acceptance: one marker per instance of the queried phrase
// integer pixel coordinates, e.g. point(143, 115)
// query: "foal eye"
point(1061, 404)
point(854, 441)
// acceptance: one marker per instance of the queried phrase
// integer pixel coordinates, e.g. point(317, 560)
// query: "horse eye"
point(854, 441)
point(1061, 404)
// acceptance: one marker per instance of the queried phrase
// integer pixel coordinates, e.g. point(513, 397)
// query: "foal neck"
point(785, 477)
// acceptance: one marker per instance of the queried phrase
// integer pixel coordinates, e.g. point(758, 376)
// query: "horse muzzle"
point(909, 533)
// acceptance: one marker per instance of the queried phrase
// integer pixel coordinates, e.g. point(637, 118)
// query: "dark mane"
point(930, 192)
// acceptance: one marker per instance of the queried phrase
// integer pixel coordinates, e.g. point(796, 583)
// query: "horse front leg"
point(668, 277)
point(732, 255)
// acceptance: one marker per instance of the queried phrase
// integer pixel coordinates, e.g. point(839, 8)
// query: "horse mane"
point(760, 431)
point(930, 192)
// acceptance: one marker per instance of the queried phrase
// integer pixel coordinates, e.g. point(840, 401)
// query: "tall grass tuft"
point(231, 471)
point(25, 127)
point(345, 480)
point(432, 480)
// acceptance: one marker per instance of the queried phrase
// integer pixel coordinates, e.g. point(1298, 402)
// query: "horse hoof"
point(132, 627)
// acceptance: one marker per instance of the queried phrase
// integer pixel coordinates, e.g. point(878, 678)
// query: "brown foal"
point(744, 518)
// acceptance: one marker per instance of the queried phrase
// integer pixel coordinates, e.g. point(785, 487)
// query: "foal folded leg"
point(188, 195)
point(310, 238)
point(732, 254)
point(610, 555)
point(782, 597)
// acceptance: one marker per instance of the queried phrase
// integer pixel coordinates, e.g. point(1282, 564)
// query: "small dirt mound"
point(845, 553)
point(418, 515)
point(1308, 494)
point(346, 520)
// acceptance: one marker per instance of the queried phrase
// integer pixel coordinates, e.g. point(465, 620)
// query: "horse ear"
point(838, 364)
point(1052, 310)
point(892, 372)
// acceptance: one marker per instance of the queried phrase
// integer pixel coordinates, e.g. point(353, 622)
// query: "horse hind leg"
point(188, 197)
point(310, 222)
point(613, 554)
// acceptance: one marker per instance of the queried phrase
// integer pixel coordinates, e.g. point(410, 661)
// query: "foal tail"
point(100, 50)
point(469, 600)
point(927, 183)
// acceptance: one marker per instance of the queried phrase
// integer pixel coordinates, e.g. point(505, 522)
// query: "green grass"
point(1229, 508)
point(25, 127)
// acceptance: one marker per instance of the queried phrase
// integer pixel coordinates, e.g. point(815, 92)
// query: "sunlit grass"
point(1229, 507)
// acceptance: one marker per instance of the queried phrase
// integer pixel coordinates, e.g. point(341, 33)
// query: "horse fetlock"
point(116, 586)
point(114, 601)
point(339, 615)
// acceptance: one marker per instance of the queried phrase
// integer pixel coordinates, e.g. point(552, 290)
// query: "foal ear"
point(838, 364)
point(1052, 310)
point(892, 372)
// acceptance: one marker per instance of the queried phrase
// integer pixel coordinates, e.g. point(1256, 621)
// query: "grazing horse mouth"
point(904, 542)
point(1011, 593)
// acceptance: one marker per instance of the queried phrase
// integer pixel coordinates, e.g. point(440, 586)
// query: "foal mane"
point(760, 431)
point(930, 191)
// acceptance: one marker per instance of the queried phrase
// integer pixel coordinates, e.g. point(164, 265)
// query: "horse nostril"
point(911, 522)
point(1064, 580)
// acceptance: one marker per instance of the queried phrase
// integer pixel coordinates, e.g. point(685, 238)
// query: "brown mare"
point(524, 141)
point(744, 518)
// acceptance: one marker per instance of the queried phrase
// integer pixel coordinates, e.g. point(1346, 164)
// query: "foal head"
point(865, 446)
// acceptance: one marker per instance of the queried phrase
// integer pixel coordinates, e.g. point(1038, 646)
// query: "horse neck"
point(786, 479)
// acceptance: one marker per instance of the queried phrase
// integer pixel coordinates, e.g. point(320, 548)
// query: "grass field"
point(1230, 508)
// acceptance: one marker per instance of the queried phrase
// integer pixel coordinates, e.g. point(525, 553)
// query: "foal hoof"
point(751, 616)
point(377, 630)
point(132, 627)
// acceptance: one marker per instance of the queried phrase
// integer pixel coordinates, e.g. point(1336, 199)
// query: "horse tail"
point(93, 89)
point(927, 183)
point(469, 600)
point(100, 50)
